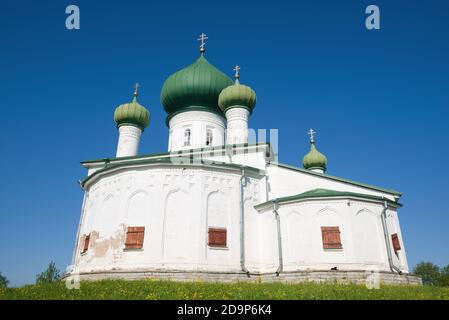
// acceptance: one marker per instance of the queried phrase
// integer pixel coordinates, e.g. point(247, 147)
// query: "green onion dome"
point(132, 113)
point(314, 159)
point(196, 87)
point(237, 95)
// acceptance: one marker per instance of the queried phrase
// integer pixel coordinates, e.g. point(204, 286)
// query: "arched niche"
point(138, 208)
point(176, 228)
point(107, 217)
point(294, 241)
point(217, 210)
point(367, 236)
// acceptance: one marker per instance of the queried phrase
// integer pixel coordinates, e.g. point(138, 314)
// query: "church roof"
point(327, 193)
point(237, 96)
point(331, 177)
point(132, 113)
point(185, 152)
point(246, 147)
point(195, 87)
point(314, 159)
point(181, 161)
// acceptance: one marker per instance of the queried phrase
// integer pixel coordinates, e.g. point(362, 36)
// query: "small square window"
point(86, 243)
point(134, 237)
point(217, 237)
point(331, 238)
point(396, 243)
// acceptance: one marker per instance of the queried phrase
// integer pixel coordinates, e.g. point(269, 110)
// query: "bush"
point(3, 281)
point(444, 276)
point(432, 274)
point(50, 275)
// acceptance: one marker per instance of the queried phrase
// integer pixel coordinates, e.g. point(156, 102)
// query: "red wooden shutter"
point(396, 243)
point(134, 237)
point(331, 238)
point(217, 237)
point(86, 243)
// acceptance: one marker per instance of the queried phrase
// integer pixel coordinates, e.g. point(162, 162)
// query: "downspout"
point(278, 222)
point(266, 182)
point(242, 224)
point(387, 239)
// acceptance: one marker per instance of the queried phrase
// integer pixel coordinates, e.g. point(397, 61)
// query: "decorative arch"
point(294, 230)
point(176, 225)
point(107, 216)
point(138, 207)
point(328, 209)
point(367, 235)
point(365, 210)
point(217, 209)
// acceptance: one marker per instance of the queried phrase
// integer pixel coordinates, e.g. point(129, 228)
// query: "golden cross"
point(311, 133)
point(202, 38)
point(237, 69)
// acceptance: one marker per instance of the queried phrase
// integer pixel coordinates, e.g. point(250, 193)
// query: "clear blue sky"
point(379, 101)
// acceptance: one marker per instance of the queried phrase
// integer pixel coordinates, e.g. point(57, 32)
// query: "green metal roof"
point(184, 152)
point(223, 148)
point(314, 159)
point(195, 87)
point(327, 193)
point(237, 95)
point(132, 113)
point(167, 161)
point(327, 176)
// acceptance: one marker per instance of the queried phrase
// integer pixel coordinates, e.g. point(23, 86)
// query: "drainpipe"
point(242, 224)
point(266, 181)
point(278, 222)
point(387, 239)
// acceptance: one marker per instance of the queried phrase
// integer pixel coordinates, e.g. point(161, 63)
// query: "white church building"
point(215, 207)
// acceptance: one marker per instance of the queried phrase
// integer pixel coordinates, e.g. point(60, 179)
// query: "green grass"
point(151, 289)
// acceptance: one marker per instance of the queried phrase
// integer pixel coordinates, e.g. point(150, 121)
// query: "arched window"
point(209, 137)
point(187, 136)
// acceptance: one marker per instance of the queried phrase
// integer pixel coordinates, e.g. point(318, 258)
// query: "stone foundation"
point(356, 277)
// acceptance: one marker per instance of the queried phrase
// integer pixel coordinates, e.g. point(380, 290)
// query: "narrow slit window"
point(331, 237)
point(134, 237)
point(187, 137)
point(209, 137)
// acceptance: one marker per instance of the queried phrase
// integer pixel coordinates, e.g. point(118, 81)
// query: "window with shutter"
point(217, 237)
point(331, 237)
point(134, 237)
point(86, 243)
point(396, 243)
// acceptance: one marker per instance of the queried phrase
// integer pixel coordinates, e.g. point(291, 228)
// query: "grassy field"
point(148, 289)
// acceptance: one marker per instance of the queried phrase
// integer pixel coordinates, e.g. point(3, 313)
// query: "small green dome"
point(237, 95)
point(314, 159)
point(132, 113)
point(196, 87)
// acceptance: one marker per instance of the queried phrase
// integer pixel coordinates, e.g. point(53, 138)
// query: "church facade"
point(215, 207)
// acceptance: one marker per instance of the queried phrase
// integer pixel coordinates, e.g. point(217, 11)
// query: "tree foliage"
point(444, 276)
point(50, 275)
point(3, 281)
point(431, 273)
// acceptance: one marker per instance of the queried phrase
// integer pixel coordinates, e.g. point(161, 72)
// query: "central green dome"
point(196, 87)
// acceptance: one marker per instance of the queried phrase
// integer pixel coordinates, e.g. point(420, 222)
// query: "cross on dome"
point(136, 89)
point(203, 37)
point(236, 69)
point(311, 133)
